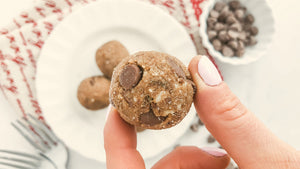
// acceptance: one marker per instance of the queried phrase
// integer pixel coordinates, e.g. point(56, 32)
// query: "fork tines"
point(36, 133)
point(19, 160)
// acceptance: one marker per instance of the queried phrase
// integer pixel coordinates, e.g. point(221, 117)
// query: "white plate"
point(68, 57)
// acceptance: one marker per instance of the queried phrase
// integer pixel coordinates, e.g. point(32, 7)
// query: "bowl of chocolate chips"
point(237, 31)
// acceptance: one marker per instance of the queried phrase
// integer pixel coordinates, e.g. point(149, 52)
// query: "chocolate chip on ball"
point(151, 119)
point(130, 76)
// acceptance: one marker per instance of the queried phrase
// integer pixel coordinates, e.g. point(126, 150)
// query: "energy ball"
point(93, 92)
point(152, 90)
point(109, 55)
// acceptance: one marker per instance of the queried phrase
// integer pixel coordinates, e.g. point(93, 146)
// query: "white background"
point(269, 87)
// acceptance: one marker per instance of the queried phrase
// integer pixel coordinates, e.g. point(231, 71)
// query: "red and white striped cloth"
point(22, 40)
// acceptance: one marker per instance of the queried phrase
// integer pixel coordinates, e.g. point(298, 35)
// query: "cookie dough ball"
point(93, 92)
point(152, 90)
point(109, 55)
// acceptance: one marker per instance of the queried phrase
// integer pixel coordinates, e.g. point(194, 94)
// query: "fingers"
point(193, 158)
point(120, 143)
point(244, 137)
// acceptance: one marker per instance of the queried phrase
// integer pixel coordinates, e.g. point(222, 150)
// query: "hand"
point(240, 133)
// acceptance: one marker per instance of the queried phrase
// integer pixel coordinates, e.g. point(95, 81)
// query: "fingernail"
point(107, 113)
point(208, 72)
point(214, 151)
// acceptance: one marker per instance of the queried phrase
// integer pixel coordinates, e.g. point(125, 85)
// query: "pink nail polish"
point(208, 72)
point(214, 151)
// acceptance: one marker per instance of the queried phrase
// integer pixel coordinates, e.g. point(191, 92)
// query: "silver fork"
point(43, 140)
point(19, 160)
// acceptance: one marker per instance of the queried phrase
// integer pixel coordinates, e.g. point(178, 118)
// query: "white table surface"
point(269, 87)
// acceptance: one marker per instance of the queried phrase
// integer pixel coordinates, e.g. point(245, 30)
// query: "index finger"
point(120, 143)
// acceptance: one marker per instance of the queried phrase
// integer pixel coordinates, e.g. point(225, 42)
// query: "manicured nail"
point(208, 72)
point(214, 151)
point(108, 110)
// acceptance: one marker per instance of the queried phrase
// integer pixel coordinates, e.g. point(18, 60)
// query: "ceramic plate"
point(68, 57)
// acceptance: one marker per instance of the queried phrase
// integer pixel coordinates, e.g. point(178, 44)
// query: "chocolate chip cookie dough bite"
point(93, 92)
point(109, 55)
point(152, 90)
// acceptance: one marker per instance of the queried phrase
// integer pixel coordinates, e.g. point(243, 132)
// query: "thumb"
point(243, 136)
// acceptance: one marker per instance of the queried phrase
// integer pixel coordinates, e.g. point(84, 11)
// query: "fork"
point(43, 140)
point(21, 160)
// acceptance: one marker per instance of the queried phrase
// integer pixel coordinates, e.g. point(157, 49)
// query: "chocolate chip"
point(214, 14)
point(240, 52)
point(211, 21)
point(253, 30)
point(233, 34)
point(236, 27)
point(252, 41)
point(233, 44)
point(242, 36)
point(211, 139)
point(211, 34)
point(241, 44)
point(219, 6)
point(240, 14)
point(234, 5)
point(194, 127)
point(223, 36)
point(92, 81)
point(200, 122)
point(217, 44)
point(243, 8)
point(227, 51)
point(177, 69)
point(150, 118)
point(130, 76)
point(219, 26)
point(230, 20)
point(249, 19)
point(223, 15)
